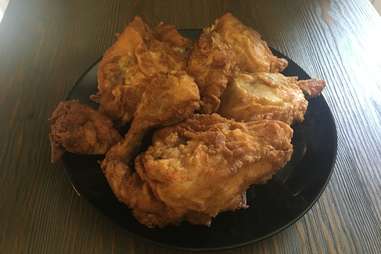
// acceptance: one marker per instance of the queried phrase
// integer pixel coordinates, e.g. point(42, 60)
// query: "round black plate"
point(273, 206)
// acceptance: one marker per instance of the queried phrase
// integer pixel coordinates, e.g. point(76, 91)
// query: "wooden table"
point(45, 45)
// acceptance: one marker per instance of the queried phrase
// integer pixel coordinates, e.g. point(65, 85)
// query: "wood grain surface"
point(45, 45)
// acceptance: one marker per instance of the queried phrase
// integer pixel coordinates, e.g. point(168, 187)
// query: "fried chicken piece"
point(80, 129)
point(251, 52)
point(129, 189)
point(211, 63)
point(223, 48)
point(167, 100)
point(267, 96)
point(199, 168)
point(137, 56)
point(169, 34)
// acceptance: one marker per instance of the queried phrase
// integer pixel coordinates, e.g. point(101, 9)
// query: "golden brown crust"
point(222, 49)
point(129, 188)
point(211, 64)
point(251, 52)
point(137, 56)
point(80, 129)
point(167, 100)
point(203, 166)
point(132, 36)
point(169, 34)
point(264, 96)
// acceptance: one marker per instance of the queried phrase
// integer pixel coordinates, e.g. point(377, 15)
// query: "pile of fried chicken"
point(220, 110)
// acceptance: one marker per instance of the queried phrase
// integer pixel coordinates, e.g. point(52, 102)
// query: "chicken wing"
point(199, 168)
point(267, 96)
point(223, 48)
point(137, 56)
point(80, 129)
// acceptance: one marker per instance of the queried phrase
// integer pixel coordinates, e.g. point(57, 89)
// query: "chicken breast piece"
point(139, 54)
point(227, 46)
point(267, 96)
point(201, 167)
point(80, 129)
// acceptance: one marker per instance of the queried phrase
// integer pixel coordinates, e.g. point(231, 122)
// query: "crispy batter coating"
point(251, 52)
point(80, 129)
point(265, 96)
point(211, 64)
point(138, 55)
point(167, 100)
point(129, 188)
point(199, 168)
point(223, 48)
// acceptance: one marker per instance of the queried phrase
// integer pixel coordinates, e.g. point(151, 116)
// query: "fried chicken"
point(223, 48)
point(137, 56)
point(131, 190)
point(197, 165)
point(80, 129)
point(199, 168)
point(251, 52)
point(167, 100)
point(267, 96)
point(211, 64)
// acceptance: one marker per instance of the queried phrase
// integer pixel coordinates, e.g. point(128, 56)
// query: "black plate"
point(273, 206)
